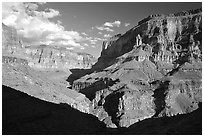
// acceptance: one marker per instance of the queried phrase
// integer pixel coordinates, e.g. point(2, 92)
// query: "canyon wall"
point(179, 29)
point(43, 56)
point(153, 70)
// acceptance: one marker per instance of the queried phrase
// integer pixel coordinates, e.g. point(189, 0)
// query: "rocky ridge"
point(43, 56)
point(172, 31)
point(40, 84)
point(42, 71)
point(153, 70)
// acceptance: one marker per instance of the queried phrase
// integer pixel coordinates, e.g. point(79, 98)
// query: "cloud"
point(47, 14)
point(93, 41)
point(86, 45)
point(35, 27)
point(104, 28)
point(87, 38)
point(107, 35)
point(127, 24)
point(100, 39)
point(99, 32)
point(82, 48)
point(112, 24)
point(67, 35)
point(107, 26)
point(83, 33)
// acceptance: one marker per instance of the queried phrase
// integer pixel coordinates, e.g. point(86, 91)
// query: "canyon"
point(151, 72)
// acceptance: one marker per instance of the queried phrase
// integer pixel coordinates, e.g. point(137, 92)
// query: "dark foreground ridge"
point(23, 114)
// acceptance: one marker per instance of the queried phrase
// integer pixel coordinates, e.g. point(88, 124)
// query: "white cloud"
point(10, 20)
point(66, 35)
point(93, 41)
point(112, 24)
point(100, 39)
point(104, 28)
point(49, 14)
point(69, 48)
point(69, 43)
point(83, 33)
point(107, 35)
point(99, 32)
point(35, 27)
point(107, 26)
point(82, 48)
point(127, 24)
point(86, 45)
point(88, 38)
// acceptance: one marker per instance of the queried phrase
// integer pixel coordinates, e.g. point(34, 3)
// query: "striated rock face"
point(153, 70)
point(44, 57)
point(158, 31)
point(42, 71)
point(46, 86)
point(107, 44)
point(10, 40)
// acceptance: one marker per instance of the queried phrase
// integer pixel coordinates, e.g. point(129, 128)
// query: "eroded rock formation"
point(18, 75)
point(42, 71)
point(161, 32)
point(43, 56)
point(153, 70)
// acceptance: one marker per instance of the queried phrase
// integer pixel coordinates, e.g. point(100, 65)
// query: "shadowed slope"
point(23, 114)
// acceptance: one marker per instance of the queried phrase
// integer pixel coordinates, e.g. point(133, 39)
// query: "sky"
point(81, 26)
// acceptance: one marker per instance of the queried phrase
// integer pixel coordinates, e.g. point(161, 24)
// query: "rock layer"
point(18, 75)
point(158, 31)
point(43, 56)
point(153, 70)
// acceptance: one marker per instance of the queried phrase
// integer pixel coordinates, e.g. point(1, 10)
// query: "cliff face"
point(178, 29)
point(21, 65)
point(10, 40)
point(153, 70)
point(44, 85)
point(43, 57)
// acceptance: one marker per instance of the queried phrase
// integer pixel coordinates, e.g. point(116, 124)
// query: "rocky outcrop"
point(160, 31)
point(154, 69)
point(45, 57)
point(11, 43)
point(18, 75)
point(23, 114)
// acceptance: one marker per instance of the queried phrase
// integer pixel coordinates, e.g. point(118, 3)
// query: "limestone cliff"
point(44, 85)
point(153, 70)
point(11, 43)
point(43, 56)
point(172, 31)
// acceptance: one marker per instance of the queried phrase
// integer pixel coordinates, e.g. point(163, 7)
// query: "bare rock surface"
point(26, 115)
point(48, 86)
point(153, 70)
point(43, 57)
